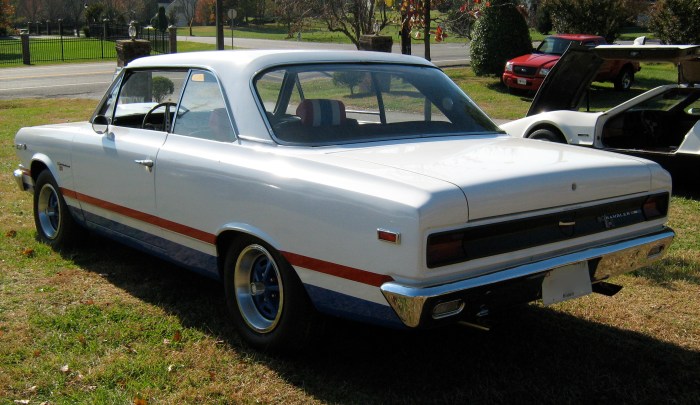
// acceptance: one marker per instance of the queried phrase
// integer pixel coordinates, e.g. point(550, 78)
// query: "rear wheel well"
point(551, 128)
point(223, 242)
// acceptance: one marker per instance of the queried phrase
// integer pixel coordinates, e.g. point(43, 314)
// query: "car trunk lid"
point(501, 175)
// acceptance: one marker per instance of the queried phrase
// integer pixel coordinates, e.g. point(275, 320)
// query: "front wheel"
point(54, 224)
point(266, 299)
point(624, 79)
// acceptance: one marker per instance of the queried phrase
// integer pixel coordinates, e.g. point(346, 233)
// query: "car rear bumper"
point(477, 297)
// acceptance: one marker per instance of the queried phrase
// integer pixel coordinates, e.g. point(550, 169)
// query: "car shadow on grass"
point(536, 355)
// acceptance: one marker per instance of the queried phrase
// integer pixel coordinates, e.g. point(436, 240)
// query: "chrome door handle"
point(145, 162)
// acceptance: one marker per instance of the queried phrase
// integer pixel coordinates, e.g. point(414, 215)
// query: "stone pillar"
point(26, 58)
point(172, 30)
point(379, 43)
point(128, 50)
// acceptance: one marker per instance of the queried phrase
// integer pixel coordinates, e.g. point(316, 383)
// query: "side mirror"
point(100, 124)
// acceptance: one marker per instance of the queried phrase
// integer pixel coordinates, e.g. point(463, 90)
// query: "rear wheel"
point(266, 299)
point(545, 134)
point(54, 223)
point(624, 79)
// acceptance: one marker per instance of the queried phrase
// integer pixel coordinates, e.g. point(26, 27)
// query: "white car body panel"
point(322, 207)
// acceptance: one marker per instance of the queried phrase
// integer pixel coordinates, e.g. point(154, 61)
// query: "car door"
point(196, 186)
point(114, 171)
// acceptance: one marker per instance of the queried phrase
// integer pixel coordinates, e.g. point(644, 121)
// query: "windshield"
point(554, 46)
point(326, 104)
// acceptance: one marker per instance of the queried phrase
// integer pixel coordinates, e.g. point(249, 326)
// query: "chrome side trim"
point(409, 303)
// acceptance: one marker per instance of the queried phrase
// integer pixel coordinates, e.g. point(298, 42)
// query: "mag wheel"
point(54, 224)
point(266, 299)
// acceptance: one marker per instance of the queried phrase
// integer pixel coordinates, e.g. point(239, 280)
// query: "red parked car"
point(527, 72)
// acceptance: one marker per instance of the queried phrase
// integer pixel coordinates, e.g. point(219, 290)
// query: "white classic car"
point(660, 124)
point(358, 184)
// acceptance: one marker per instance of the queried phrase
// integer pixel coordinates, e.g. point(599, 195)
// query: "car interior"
point(659, 124)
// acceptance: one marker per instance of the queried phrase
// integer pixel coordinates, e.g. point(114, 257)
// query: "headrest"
point(321, 112)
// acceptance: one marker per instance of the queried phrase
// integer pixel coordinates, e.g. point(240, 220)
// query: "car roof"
point(565, 85)
point(236, 69)
point(256, 60)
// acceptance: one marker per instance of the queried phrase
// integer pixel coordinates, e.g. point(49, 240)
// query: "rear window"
point(325, 104)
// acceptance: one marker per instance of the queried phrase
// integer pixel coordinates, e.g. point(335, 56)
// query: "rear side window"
point(202, 112)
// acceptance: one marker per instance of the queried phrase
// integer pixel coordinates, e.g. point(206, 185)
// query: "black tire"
point(624, 79)
point(268, 303)
point(548, 135)
point(54, 223)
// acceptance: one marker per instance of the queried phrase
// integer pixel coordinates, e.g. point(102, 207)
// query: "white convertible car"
point(660, 124)
point(358, 184)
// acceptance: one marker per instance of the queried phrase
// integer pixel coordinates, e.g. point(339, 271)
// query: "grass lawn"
point(105, 324)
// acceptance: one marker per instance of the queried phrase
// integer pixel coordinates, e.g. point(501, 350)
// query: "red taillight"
point(445, 249)
point(655, 206)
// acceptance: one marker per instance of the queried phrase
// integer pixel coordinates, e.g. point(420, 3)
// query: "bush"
point(676, 21)
point(500, 33)
point(597, 17)
point(162, 87)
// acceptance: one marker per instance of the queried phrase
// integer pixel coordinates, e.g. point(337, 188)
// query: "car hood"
point(535, 59)
point(566, 84)
point(501, 175)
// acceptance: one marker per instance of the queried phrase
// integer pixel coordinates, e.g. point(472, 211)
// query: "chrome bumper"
point(520, 284)
point(24, 179)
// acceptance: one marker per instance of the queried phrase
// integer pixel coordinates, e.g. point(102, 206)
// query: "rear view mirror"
point(100, 124)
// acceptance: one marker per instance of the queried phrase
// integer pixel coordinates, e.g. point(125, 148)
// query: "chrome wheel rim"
point(258, 287)
point(49, 211)
point(626, 81)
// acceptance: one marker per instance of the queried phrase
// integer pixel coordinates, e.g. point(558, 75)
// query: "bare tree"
point(292, 14)
point(32, 10)
point(188, 8)
point(353, 18)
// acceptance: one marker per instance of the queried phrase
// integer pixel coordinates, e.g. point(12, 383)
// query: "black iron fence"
point(10, 51)
point(49, 42)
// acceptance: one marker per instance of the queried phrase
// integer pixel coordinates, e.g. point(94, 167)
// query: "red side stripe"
point(142, 216)
point(333, 269)
point(337, 270)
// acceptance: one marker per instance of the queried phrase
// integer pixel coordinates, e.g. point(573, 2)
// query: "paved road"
point(73, 80)
point(90, 80)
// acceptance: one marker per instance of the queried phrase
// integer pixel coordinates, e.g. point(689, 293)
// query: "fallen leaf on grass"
point(177, 337)
point(82, 340)
point(140, 401)
point(28, 252)
point(11, 233)
point(89, 302)
point(36, 353)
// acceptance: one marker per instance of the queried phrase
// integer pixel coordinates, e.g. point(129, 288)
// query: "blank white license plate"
point(565, 283)
point(522, 82)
